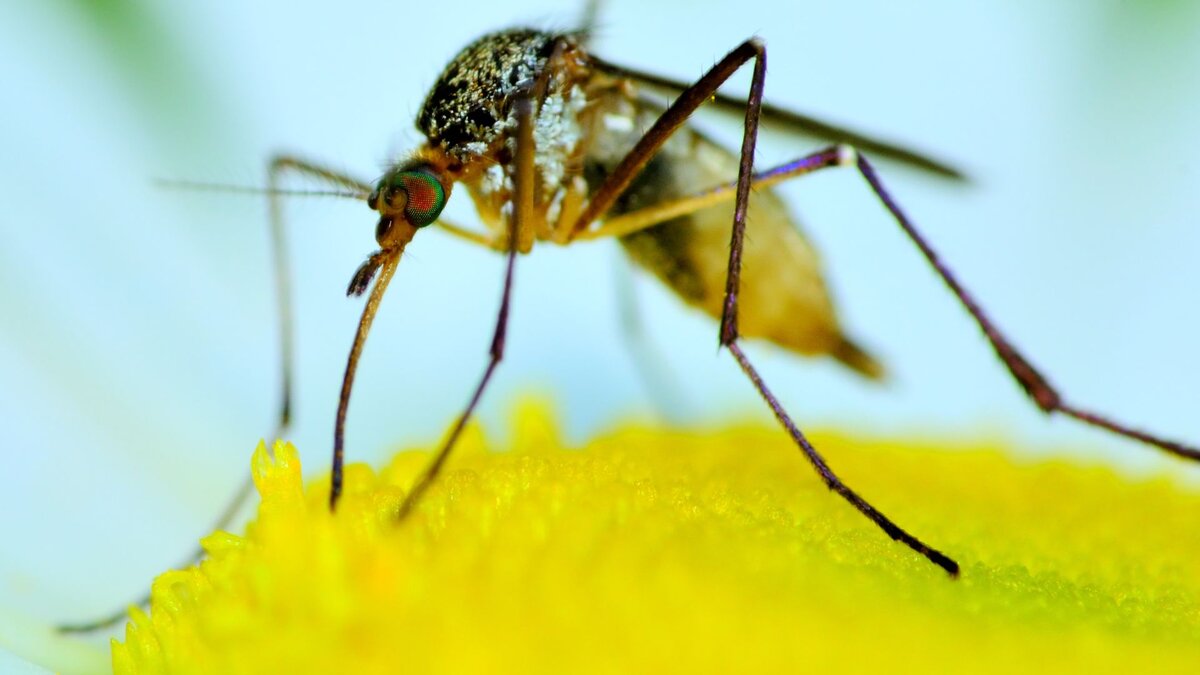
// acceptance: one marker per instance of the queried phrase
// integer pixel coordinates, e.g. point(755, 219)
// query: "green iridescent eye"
point(426, 197)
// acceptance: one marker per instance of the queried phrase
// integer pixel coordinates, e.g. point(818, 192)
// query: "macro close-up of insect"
point(538, 139)
point(555, 145)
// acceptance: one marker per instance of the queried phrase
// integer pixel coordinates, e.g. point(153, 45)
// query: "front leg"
point(521, 216)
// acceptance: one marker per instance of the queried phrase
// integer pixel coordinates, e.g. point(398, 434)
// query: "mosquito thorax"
point(467, 109)
point(468, 113)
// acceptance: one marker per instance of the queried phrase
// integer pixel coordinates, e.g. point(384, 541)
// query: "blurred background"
point(138, 359)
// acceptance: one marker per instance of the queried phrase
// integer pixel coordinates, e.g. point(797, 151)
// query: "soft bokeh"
point(134, 316)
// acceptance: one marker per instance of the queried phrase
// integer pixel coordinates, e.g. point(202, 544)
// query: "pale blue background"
point(137, 349)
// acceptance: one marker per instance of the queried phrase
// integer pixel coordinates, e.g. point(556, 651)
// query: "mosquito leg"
point(831, 480)
point(673, 117)
point(280, 165)
point(1043, 394)
point(633, 221)
point(471, 236)
point(358, 285)
point(522, 208)
point(227, 515)
point(277, 167)
point(619, 179)
point(729, 332)
point(495, 355)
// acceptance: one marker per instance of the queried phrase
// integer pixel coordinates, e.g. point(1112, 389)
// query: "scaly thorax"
point(470, 119)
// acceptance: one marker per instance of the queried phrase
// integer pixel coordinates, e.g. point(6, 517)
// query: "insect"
point(555, 145)
point(547, 140)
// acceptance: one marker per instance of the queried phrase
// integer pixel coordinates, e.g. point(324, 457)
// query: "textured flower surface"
point(669, 551)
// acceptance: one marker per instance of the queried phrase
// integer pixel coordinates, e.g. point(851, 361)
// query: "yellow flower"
point(686, 551)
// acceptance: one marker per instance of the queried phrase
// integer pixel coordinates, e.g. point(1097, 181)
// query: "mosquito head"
point(408, 197)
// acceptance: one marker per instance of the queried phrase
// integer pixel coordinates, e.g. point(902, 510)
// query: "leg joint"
point(847, 155)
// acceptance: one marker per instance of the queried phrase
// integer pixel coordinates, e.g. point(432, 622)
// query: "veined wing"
point(797, 123)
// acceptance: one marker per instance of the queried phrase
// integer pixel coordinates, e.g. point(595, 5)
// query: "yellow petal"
point(672, 551)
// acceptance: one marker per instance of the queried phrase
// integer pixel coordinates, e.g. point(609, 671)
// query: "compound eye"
point(426, 197)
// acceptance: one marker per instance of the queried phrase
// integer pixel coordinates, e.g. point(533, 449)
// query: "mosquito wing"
point(796, 123)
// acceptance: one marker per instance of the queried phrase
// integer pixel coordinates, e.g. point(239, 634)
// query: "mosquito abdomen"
point(783, 296)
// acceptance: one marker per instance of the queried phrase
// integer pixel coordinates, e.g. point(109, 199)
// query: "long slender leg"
point(227, 515)
point(280, 165)
point(672, 118)
point(648, 216)
point(277, 167)
point(1031, 380)
point(831, 480)
point(472, 236)
point(620, 178)
point(380, 267)
point(522, 208)
point(729, 334)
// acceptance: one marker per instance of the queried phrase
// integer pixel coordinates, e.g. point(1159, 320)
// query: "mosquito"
point(556, 145)
point(546, 139)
